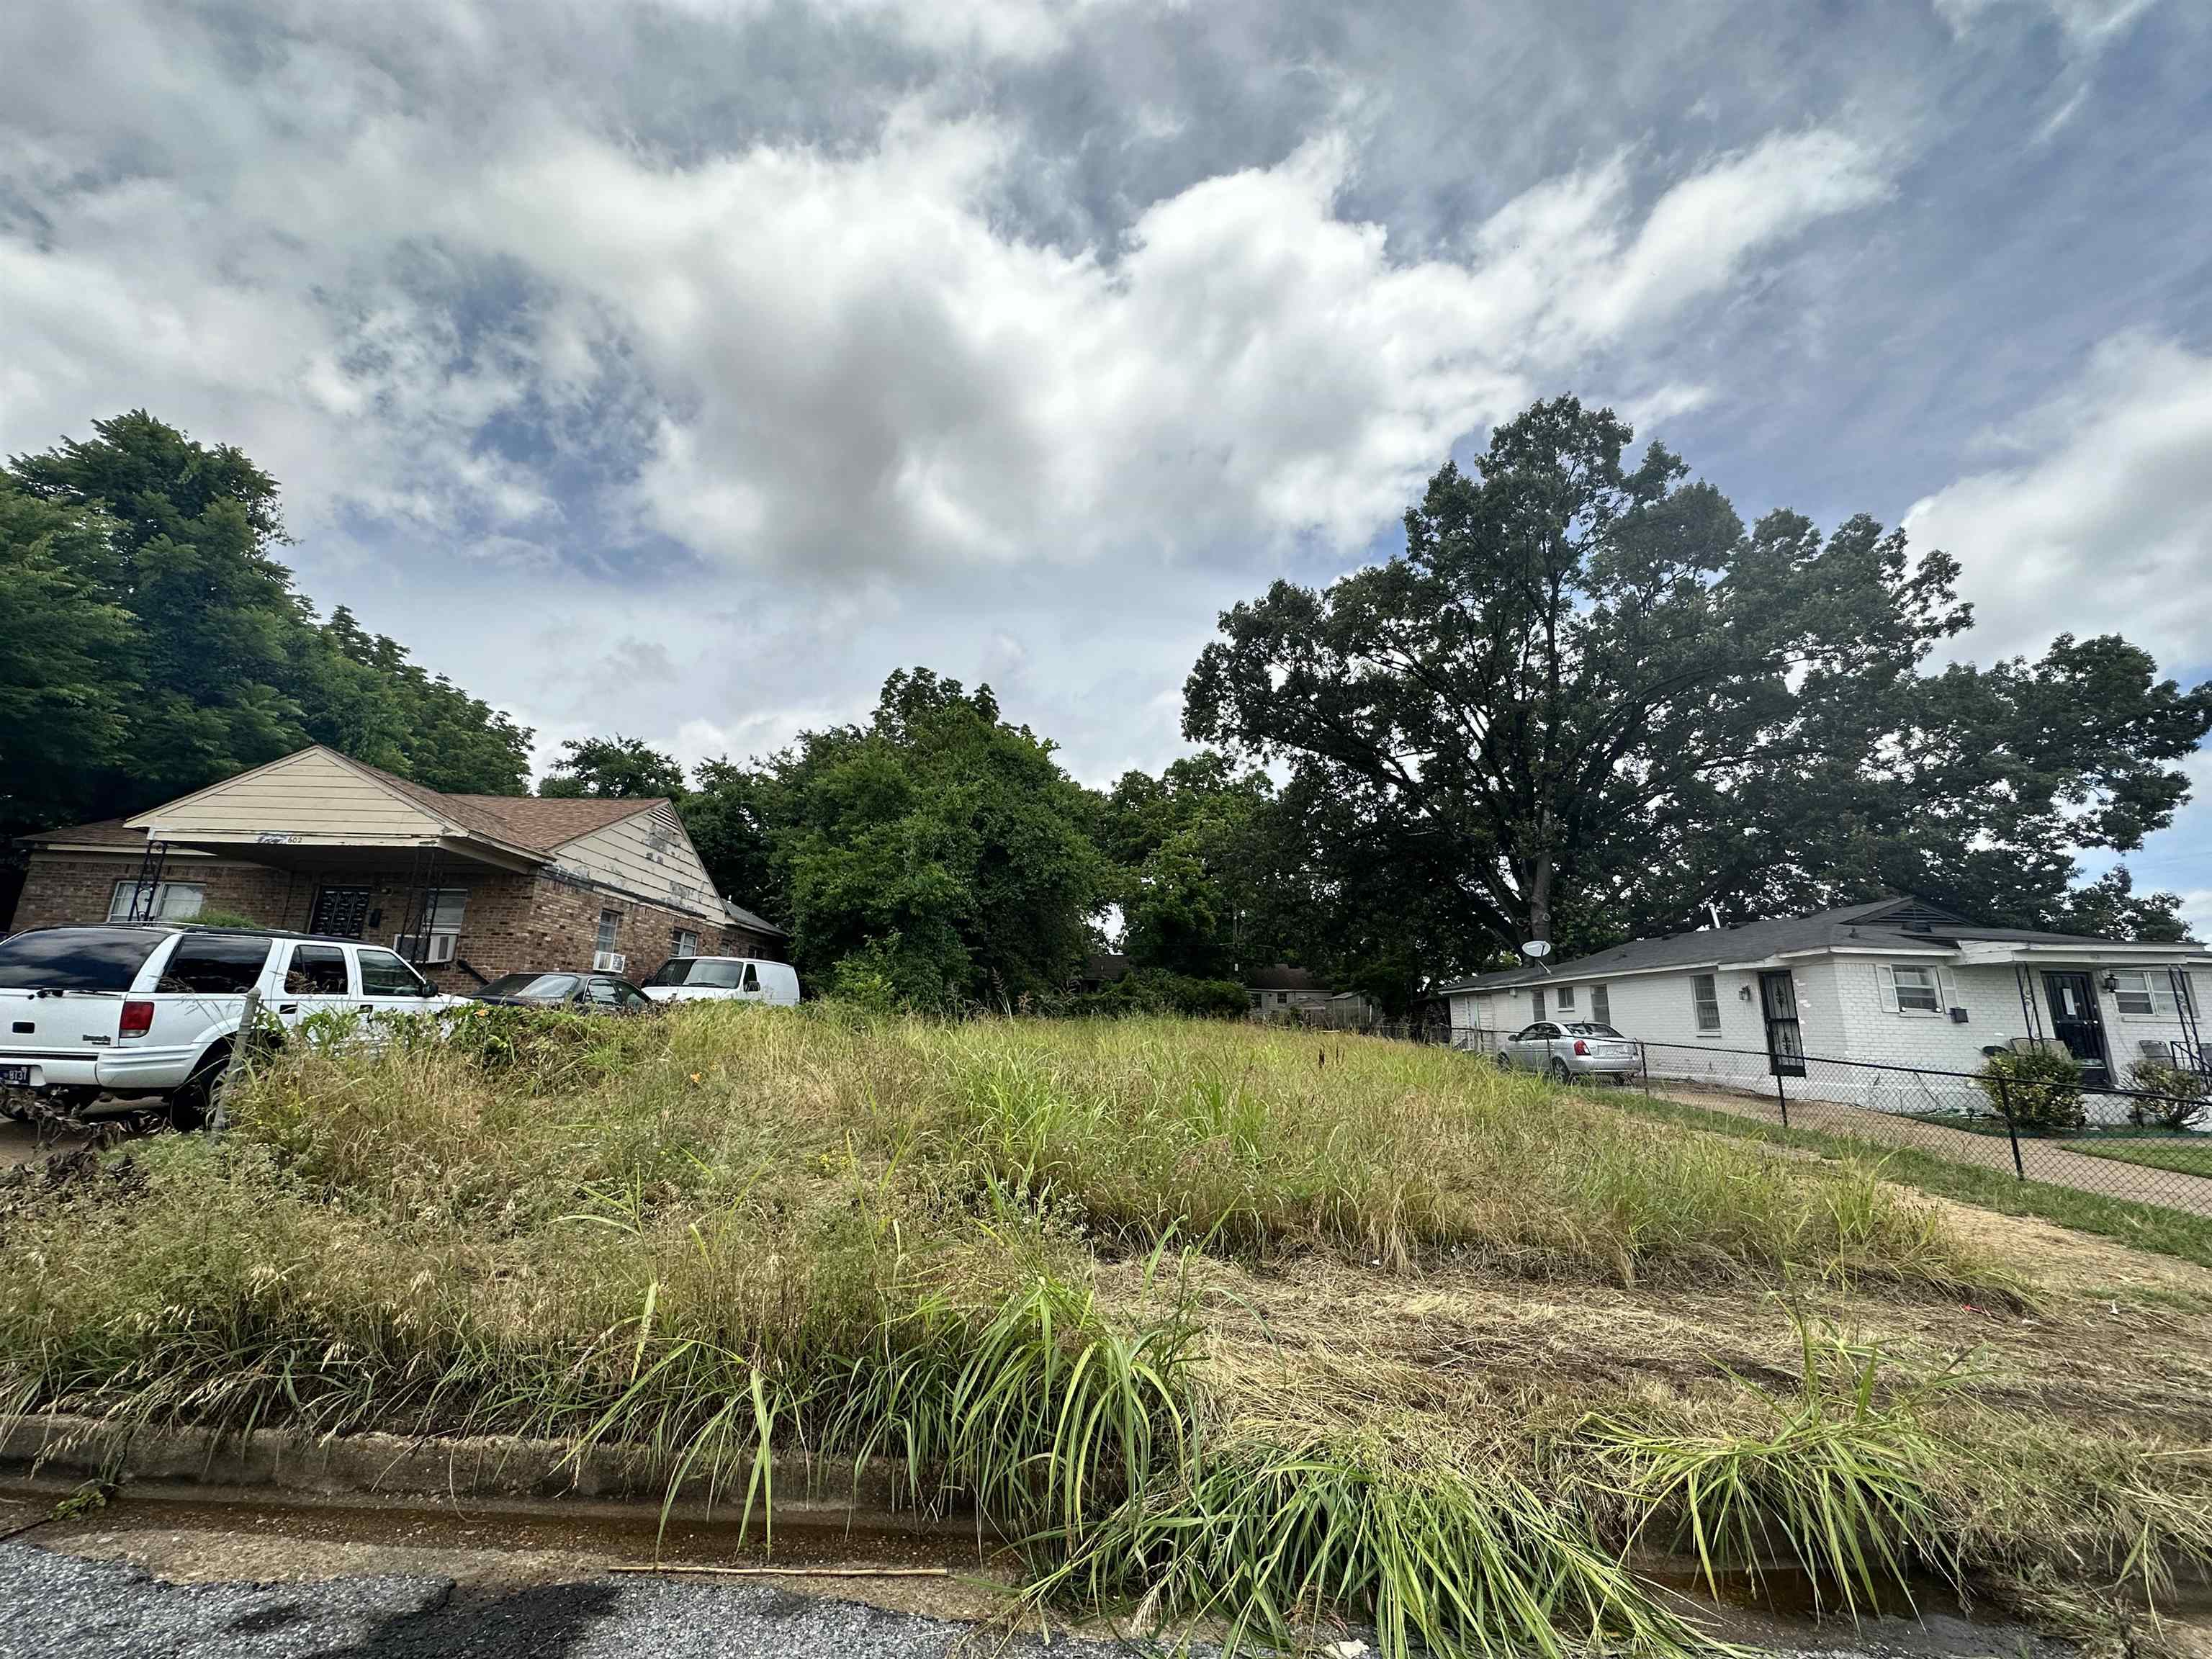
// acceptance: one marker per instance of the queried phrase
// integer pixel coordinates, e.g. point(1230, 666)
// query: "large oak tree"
point(1587, 701)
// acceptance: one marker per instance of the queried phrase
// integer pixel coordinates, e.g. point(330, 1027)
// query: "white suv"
point(154, 1009)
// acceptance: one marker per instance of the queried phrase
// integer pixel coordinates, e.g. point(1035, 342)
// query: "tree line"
point(1586, 702)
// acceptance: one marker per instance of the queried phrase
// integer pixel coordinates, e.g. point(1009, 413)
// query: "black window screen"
point(215, 964)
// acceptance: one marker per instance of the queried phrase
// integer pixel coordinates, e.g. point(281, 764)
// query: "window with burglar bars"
point(171, 900)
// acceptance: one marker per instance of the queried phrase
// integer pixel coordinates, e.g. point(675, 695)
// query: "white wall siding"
point(647, 854)
point(313, 795)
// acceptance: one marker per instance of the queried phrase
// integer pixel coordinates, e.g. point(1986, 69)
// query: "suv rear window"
point(76, 958)
point(215, 964)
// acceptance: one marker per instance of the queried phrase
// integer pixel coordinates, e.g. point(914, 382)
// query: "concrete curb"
point(487, 1472)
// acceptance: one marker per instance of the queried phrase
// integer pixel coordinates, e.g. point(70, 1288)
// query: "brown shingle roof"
point(544, 823)
point(537, 823)
point(106, 832)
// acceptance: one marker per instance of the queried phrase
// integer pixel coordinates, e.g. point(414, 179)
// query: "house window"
point(2143, 992)
point(1705, 997)
point(1601, 1005)
point(1566, 999)
point(609, 929)
point(1537, 1004)
point(1916, 991)
point(1282, 997)
point(443, 909)
point(683, 943)
point(174, 901)
point(2132, 991)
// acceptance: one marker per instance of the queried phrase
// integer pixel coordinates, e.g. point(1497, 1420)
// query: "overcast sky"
point(680, 368)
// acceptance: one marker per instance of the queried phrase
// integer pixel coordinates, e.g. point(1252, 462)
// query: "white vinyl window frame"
point(1601, 1008)
point(1913, 990)
point(2149, 992)
point(683, 943)
point(610, 930)
point(174, 901)
point(1566, 999)
point(1705, 1003)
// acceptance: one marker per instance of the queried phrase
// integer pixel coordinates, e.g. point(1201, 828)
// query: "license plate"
point(14, 1077)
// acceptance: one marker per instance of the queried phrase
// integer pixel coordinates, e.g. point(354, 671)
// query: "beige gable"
point(312, 796)
point(648, 854)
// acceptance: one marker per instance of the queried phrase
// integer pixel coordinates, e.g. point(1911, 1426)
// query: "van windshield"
point(78, 958)
point(707, 973)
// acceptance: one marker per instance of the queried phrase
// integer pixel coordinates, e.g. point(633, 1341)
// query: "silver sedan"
point(1567, 1052)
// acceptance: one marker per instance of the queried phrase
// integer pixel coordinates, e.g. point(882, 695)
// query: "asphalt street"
point(61, 1604)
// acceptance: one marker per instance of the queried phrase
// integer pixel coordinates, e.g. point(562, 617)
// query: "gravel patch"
point(61, 1604)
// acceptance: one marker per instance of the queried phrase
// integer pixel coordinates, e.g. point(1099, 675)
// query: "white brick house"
point(1895, 983)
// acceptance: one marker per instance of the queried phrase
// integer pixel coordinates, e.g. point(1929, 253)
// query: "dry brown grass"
point(1404, 1265)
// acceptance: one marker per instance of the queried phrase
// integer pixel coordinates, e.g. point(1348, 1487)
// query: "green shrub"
point(1156, 991)
point(2181, 1102)
point(2040, 1089)
point(218, 918)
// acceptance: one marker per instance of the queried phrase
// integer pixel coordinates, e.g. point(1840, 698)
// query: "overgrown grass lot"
point(1222, 1324)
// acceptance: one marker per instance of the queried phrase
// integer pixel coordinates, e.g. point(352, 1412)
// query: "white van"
point(724, 979)
point(149, 1009)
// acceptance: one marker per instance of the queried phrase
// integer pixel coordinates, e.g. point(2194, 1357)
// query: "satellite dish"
point(1538, 948)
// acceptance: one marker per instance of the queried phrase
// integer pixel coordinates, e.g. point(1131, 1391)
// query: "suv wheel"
point(188, 1105)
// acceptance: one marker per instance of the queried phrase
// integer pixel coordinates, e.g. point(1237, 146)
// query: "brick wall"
point(60, 888)
point(511, 923)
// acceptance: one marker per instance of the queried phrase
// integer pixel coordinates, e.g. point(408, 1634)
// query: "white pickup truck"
point(154, 1009)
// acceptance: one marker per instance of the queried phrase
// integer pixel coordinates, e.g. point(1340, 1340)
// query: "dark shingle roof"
point(1893, 924)
point(1282, 977)
point(104, 832)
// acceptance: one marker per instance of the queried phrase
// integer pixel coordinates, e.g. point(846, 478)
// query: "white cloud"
point(2101, 520)
point(2087, 23)
point(878, 420)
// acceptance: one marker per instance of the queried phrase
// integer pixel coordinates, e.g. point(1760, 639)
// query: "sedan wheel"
point(1560, 1074)
point(1501, 1061)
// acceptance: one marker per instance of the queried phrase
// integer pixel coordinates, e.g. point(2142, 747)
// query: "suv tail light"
point(1581, 1048)
point(137, 1018)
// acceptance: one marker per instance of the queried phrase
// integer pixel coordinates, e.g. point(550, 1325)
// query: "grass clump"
point(1265, 1537)
point(1399, 1156)
point(1836, 1483)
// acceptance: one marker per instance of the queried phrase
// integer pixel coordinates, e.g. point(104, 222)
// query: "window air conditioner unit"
point(437, 949)
point(607, 962)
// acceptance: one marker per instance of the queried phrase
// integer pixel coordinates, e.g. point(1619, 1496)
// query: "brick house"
point(468, 887)
point(1893, 982)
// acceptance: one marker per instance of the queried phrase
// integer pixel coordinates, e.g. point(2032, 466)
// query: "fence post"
point(1644, 1065)
point(218, 1108)
point(1782, 1097)
point(2011, 1133)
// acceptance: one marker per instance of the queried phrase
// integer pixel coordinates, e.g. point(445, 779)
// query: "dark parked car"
point(603, 992)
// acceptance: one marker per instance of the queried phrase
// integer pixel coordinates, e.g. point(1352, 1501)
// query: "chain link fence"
point(2150, 1147)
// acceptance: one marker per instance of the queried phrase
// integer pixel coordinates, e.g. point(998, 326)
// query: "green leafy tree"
point(937, 854)
point(208, 659)
point(61, 707)
point(620, 768)
point(1586, 701)
point(1205, 890)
